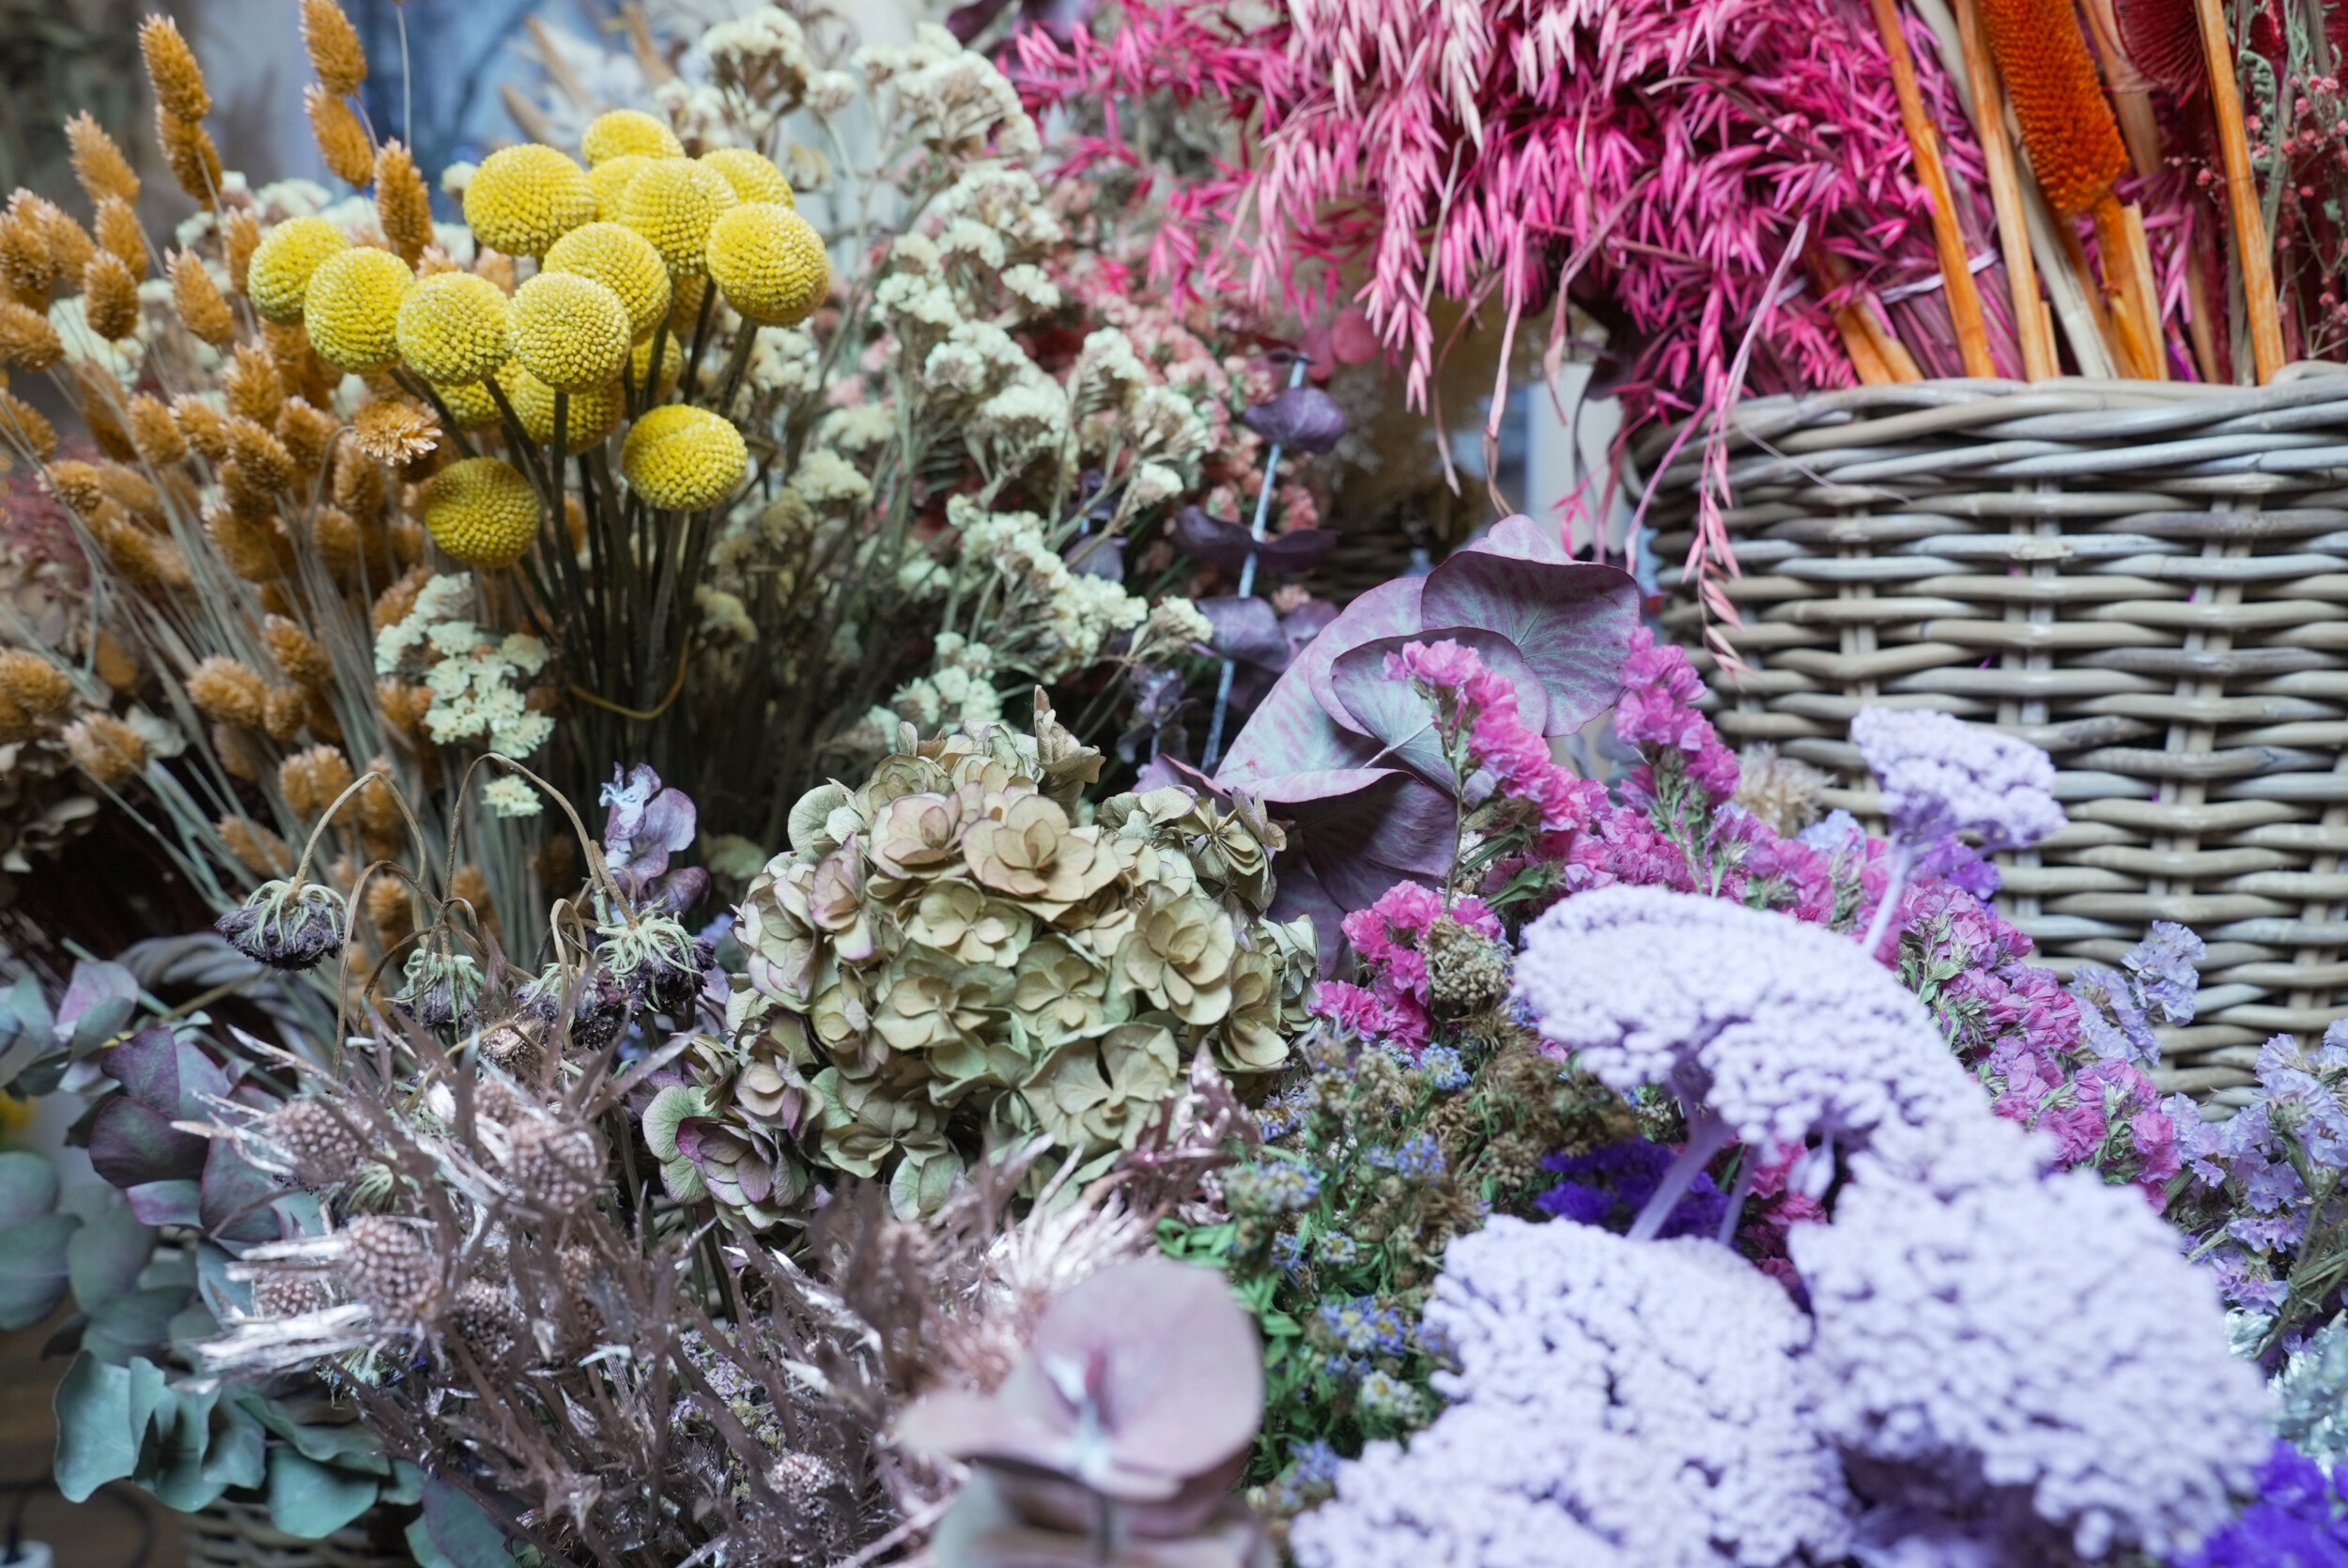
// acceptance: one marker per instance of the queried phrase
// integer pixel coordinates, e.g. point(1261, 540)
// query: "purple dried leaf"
point(1402, 721)
point(1301, 419)
point(1218, 543)
point(1097, 555)
point(1247, 629)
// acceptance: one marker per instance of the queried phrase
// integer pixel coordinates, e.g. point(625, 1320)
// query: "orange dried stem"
point(2124, 291)
point(2033, 325)
point(1956, 272)
point(2242, 195)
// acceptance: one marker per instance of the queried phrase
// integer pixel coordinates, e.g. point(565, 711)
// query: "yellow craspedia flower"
point(672, 361)
point(279, 273)
point(569, 332)
point(482, 512)
point(523, 199)
point(769, 262)
point(592, 415)
point(618, 133)
point(672, 202)
point(753, 175)
point(610, 181)
point(624, 262)
point(682, 459)
point(351, 309)
point(453, 329)
point(472, 406)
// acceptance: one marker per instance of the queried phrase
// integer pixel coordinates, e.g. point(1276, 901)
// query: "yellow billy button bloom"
point(682, 460)
point(624, 262)
point(610, 179)
point(453, 329)
point(481, 511)
point(753, 175)
point(351, 309)
point(278, 276)
point(672, 202)
point(593, 414)
point(618, 133)
point(769, 262)
point(523, 199)
point(569, 332)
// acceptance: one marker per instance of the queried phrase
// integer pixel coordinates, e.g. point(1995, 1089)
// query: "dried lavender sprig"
point(1246, 586)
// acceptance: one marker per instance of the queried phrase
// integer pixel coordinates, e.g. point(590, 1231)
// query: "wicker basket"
point(233, 1533)
point(2150, 580)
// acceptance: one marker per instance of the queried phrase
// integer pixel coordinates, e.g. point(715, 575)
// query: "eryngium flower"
point(286, 926)
point(1301, 419)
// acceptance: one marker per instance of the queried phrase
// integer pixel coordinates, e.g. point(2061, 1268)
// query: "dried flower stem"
point(1956, 272)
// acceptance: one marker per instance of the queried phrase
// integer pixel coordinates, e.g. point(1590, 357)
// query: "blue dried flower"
point(1339, 1251)
point(1387, 1397)
point(1274, 1187)
point(1442, 1069)
point(1315, 1463)
point(2296, 1522)
point(1419, 1160)
point(1608, 1186)
point(1942, 776)
point(2111, 1022)
point(1364, 1326)
point(1287, 1251)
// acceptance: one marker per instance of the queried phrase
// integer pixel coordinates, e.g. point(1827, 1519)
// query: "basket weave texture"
point(2149, 580)
point(235, 1533)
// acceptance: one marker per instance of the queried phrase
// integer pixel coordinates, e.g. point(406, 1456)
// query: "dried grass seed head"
point(342, 140)
point(228, 691)
point(28, 339)
point(172, 69)
point(192, 157)
point(110, 297)
point(402, 204)
point(203, 309)
point(106, 748)
point(312, 781)
point(98, 162)
point(336, 52)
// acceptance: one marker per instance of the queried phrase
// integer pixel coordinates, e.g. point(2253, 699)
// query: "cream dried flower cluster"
point(476, 679)
point(962, 947)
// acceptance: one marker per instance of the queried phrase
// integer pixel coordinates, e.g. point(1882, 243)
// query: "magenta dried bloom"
point(1941, 775)
point(1619, 1404)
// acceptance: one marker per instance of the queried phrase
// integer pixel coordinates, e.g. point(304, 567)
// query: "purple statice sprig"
point(1609, 1185)
point(2296, 1520)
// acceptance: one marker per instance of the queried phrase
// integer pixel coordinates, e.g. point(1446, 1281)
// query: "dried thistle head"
point(98, 162)
point(321, 1146)
point(393, 1266)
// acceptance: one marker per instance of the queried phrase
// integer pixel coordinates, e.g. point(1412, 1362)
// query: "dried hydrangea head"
point(522, 199)
point(752, 175)
point(769, 262)
point(626, 132)
point(350, 308)
point(277, 280)
point(622, 261)
point(682, 459)
point(672, 202)
point(570, 332)
point(481, 511)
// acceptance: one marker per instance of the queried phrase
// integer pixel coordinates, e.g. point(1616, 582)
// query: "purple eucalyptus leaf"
point(131, 1144)
point(1097, 555)
point(166, 1203)
point(148, 1066)
point(1306, 622)
point(1210, 539)
point(1290, 732)
point(1362, 830)
point(1247, 629)
point(1572, 620)
point(667, 828)
point(1297, 551)
point(234, 1201)
point(1389, 610)
point(1301, 419)
point(1399, 717)
point(97, 1002)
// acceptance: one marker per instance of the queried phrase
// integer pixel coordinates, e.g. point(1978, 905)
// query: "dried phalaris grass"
point(296, 653)
point(69, 244)
point(358, 478)
point(312, 781)
point(228, 691)
point(402, 204)
point(21, 422)
point(194, 161)
point(119, 232)
point(253, 389)
point(245, 544)
point(106, 748)
point(172, 69)
point(283, 711)
point(201, 426)
point(99, 403)
point(307, 432)
point(342, 140)
point(260, 457)
point(132, 491)
point(98, 164)
point(336, 52)
point(75, 482)
point(28, 339)
point(25, 263)
point(155, 433)
point(239, 236)
point(203, 310)
point(110, 297)
point(256, 848)
point(32, 688)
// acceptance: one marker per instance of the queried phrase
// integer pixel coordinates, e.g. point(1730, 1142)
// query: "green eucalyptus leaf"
point(132, 1326)
point(313, 1500)
point(29, 1187)
point(406, 1487)
point(239, 1453)
point(348, 1446)
point(105, 1257)
point(461, 1529)
point(28, 1006)
point(94, 1440)
point(33, 1270)
point(173, 1463)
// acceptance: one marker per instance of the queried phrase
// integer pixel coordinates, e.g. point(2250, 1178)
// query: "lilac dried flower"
point(285, 925)
point(2166, 966)
point(2111, 1020)
point(2041, 1333)
point(1301, 419)
point(1621, 1405)
point(1941, 775)
point(644, 825)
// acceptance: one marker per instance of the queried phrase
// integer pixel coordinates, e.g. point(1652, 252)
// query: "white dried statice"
point(859, 427)
point(1619, 1405)
point(783, 360)
point(1779, 1028)
point(1108, 372)
point(957, 98)
point(474, 677)
point(1007, 199)
point(2044, 1333)
point(510, 797)
point(1029, 284)
point(959, 691)
point(823, 478)
point(1152, 484)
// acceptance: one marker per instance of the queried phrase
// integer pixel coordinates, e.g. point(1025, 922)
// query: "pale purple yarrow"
point(1779, 1028)
point(2042, 1332)
point(1941, 775)
point(1619, 1405)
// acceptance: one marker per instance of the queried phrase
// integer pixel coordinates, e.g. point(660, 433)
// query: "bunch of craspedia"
point(963, 946)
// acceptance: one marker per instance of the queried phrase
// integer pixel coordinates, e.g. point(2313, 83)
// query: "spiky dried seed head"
point(486, 1320)
point(26, 338)
point(29, 424)
point(98, 162)
point(172, 70)
point(318, 1140)
point(402, 204)
point(553, 1168)
point(119, 234)
point(392, 1265)
point(201, 306)
point(336, 52)
point(190, 153)
point(228, 691)
point(285, 1295)
point(1467, 972)
point(256, 848)
point(110, 297)
point(106, 748)
point(342, 140)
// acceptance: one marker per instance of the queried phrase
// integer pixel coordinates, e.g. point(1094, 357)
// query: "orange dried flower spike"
point(2057, 95)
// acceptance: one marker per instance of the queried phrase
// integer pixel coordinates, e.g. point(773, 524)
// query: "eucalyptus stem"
point(1246, 586)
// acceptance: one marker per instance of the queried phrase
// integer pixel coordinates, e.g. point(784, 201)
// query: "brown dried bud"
point(115, 667)
point(398, 602)
point(307, 432)
point(336, 53)
point(69, 244)
point(402, 205)
point(283, 711)
point(29, 424)
point(28, 339)
point(188, 149)
point(297, 652)
point(256, 848)
point(228, 691)
point(98, 164)
point(342, 140)
point(25, 263)
point(357, 480)
point(318, 1140)
point(277, 1294)
point(239, 237)
point(392, 1265)
point(110, 297)
point(119, 234)
point(75, 482)
point(1467, 972)
point(171, 68)
point(155, 433)
point(246, 545)
point(254, 390)
point(312, 781)
point(201, 426)
point(202, 308)
point(129, 489)
point(33, 686)
point(109, 750)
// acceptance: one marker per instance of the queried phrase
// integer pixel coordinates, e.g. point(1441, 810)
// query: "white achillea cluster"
point(956, 95)
point(959, 691)
point(826, 479)
point(1058, 620)
point(474, 676)
point(1619, 1405)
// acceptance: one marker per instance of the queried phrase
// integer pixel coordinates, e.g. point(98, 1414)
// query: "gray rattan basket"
point(2148, 579)
point(235, 1533)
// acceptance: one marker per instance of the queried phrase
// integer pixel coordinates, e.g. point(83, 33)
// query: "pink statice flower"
point(1657, 714)
point(1387, 938)
point(1476, 708)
